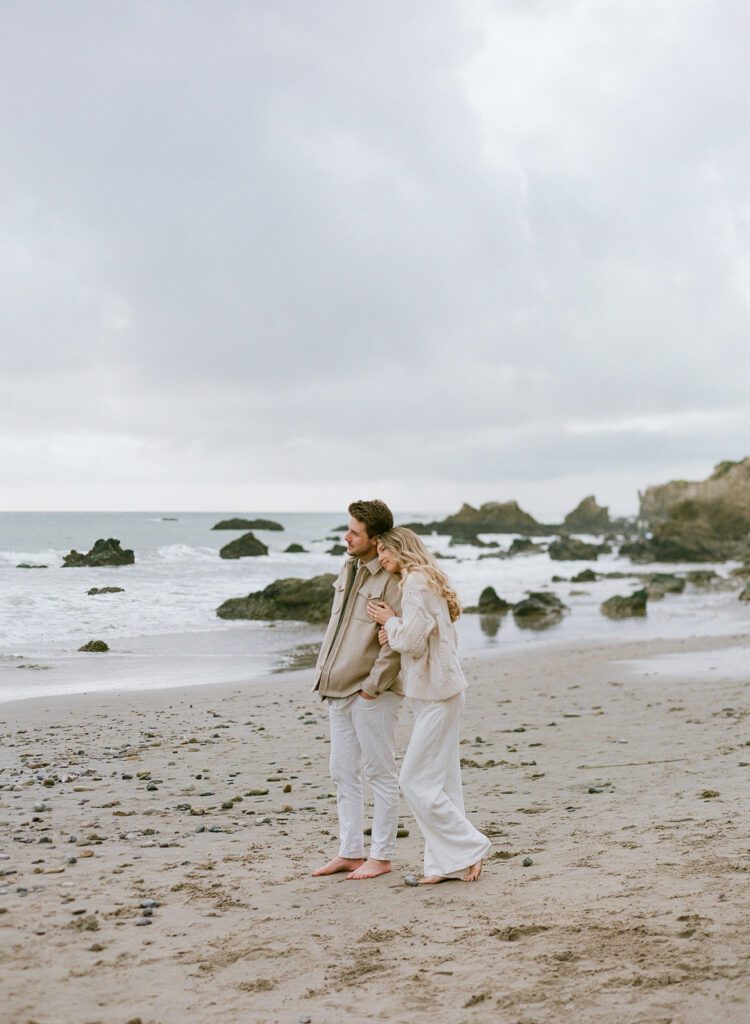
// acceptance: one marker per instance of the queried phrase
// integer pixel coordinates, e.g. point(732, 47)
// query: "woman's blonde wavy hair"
point(411, 554)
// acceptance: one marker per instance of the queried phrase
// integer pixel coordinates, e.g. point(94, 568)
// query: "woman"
point(425, 636)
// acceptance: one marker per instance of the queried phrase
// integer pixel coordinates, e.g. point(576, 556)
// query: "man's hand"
point(382, 636)
point(366, 696)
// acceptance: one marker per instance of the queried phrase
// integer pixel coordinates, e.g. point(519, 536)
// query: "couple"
point(391, 633)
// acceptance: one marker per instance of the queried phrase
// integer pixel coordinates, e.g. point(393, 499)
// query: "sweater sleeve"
point(408, 634)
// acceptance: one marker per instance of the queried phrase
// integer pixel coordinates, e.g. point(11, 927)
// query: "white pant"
point(363, 743)
point(431, 782)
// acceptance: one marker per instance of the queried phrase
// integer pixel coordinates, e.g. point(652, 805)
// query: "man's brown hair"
point(375, 515)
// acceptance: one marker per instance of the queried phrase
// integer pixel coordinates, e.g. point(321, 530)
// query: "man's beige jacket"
point(351, 659)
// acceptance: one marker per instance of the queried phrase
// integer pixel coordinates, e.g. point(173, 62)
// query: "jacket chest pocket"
point(338, 597)
point(368, 592)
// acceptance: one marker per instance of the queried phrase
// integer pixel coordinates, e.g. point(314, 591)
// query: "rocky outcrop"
point(105, 590)
point(570, 549)
point(295, 549)
point(524, 546)
point(586, 576)
point(492, 517)
point(247, 524)
point(619, 607)
point(539, 610)
point(745, 593)
point(31, 565)
point(337, 549)
point(490, 604)
point(729, 484)
point(588, 517)
point(660, 583)
point(291, 600)
point(104, 553)
point(246, 546)
point(94, 647)
point(706, 521)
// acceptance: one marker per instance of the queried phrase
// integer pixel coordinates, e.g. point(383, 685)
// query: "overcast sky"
point(277, 255)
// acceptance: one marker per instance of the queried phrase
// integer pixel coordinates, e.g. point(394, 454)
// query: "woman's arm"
point(408, 634)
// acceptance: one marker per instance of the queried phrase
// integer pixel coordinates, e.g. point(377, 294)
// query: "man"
point(360, 681)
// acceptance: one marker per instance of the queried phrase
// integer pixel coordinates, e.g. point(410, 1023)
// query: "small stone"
point(287, 788)
point(40, 807)
point(147, 912)
point(263, 821)
point(305, 1019)
point(152, 788)
point(71, 860)
point(143, 921)
point(527, 862)
point(149, 904)
point(595, 789)
point(411, 880)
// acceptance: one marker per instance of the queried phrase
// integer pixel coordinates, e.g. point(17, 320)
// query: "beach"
point(619, 769)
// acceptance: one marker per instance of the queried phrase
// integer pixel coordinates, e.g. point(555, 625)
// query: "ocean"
point(163, 629)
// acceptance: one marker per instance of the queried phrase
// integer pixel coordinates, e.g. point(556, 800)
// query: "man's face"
point(358, 543)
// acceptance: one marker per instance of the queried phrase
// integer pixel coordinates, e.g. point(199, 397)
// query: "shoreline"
point(626, 789)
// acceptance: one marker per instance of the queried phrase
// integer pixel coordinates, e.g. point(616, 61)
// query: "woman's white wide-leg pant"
point(431, 782)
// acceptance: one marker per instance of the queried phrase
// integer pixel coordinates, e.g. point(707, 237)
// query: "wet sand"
point(627, 788)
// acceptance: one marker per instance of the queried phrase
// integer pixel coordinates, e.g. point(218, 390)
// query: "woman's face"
point(388, 560)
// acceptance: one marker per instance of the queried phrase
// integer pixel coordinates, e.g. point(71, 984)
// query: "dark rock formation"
point(247, 524)
point(492, 517)
point(295, 549)
point(103, 553)
point(472, 539)
point(586, 576)
point(660, 583)
point(539, 610)
point(588, 517)
point(490, 604)
point(570, 549)
point(745, 593)
point(337, 549)
point(289, 599)
point(106, 590)
point(524, 546)
point(246, 546)
point(626, 607)
point(31, 565)
point(94, 647)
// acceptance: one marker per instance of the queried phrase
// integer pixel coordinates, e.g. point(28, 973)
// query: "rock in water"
point(539, 610)
point(94, 647)
point(106, 590)
point(490, 603)
point(246, 546)
point(619, 607)
point(104, 552)
point(569, 549)
point(660, 583)
point(588, 517)
point(745, 593)
point(295, 549)
point(587, 576)
point(337, 549)
point(292, 600)
point(247, 524)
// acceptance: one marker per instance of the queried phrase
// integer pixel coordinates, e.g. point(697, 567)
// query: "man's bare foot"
point(370, 869)
point(472, 875)
point(435, 879)
point(339, 864)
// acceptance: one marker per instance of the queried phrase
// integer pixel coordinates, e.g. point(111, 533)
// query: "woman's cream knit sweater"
point(427, 641)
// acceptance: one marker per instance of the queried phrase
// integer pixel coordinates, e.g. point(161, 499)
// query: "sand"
point(624, 783)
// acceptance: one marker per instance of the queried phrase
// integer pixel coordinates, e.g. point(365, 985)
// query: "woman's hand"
point(379, 611)
point(366, 696)
point(382, 636)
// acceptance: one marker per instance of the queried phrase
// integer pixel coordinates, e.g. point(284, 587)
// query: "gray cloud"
point(483, 246)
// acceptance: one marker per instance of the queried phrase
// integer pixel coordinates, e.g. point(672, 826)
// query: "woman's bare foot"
point(472, 875)
point(339, 864)
point(370, 869)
